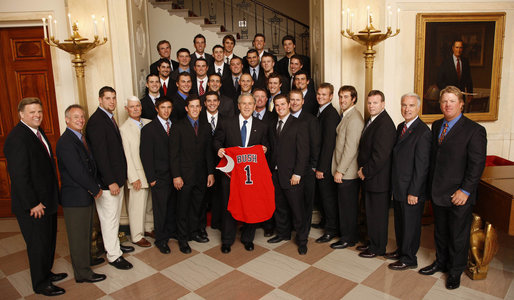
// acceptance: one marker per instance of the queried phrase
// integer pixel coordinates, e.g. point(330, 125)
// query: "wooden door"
point(25, 71)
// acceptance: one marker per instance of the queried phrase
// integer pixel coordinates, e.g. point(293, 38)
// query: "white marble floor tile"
point(22, 282)
point(278, 294)
point(439, 292)
point(12, 244)
point(363, 292)
point(191, 296)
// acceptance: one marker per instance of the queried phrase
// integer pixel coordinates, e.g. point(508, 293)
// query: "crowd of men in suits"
point(165, 153)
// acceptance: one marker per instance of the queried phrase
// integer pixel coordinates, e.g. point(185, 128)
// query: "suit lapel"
point(454, 129)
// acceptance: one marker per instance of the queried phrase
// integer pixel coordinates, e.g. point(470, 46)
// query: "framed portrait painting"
point(464, 50)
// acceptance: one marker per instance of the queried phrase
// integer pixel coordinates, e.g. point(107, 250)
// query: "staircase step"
point(162, 4)
point(180, 12)
point(197, 20)
point(212, 27)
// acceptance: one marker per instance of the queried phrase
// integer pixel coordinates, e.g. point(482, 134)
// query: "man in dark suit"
point(309, 176)
point(34, 194)
point(226, 105)
point(199, 44)
point(274, 85)
point(411, 161)
point(184, 84)
point(229, 42)
point(374, 159)
point(153, 85)
point(168, 86)
point(230, 86)
point(254, 69)
point(184, 64)
point(328, 120)
point(259, 44)
point(229, 135)
point(154, 152)
point(261, 112)
point(103, 135)
point(458, 155)
point(218, 65)
point(164, 49)
point(455, 71)
point(79, 188)
point(289, 147)
point(192, 170)
point(199, 80)
point(283, 66)
point(268, 67)
point(303, 83)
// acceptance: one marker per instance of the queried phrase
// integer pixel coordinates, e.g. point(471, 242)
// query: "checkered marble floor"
point(271, 271)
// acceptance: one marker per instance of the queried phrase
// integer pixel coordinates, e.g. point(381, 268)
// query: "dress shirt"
point(219, 68)
point(348, 110)
point(256, 69)
point(234, 79)
point(154, 98)
point(42, 138)
point(180, 70)
point(248, 128)
point(105, 111)
point(184, 96)
point(204, 83)
point(167, 80)
point(139, 123)
point(259, 114)
point(199, 55)
point(284, 120)
point(163, 122)
point(371, 119)
point(192, 121)
point(322, 108)
point(229, 58)
point(297, 114)
point(410, 122)
point(209, 117)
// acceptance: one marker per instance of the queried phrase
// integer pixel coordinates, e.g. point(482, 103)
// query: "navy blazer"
point(79, 182)
point(154, 153)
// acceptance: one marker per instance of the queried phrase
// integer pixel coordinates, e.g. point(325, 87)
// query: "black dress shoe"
point(203, 233)
point(399, 266)
point(121, 263)
point(302, 249)
point(126, 249)
point(277, 239)
point(431, 269)
point(249, 246)
point(225, 248)
point(367, 254)
point(268, 232)
point(325, 238)
point(341, 245)
point(452, 282)
point(392, 255)
point(97, 261)
point(94, 278)
point(199, 239)
point(184, 247)
point(58, 276)
point(163, 247)
point(362, 247)
point(50, 290)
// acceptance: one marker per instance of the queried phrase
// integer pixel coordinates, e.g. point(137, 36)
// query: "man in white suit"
point(345, 167)
point(140, 201)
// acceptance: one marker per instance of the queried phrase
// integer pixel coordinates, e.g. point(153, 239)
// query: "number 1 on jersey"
point(248, 175)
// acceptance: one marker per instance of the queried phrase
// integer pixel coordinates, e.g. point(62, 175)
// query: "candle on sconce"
point(398, 19)
point(50, 31)
point(55, 29)
point(347, 17)
point(69, 23)
point(367, 23)
point(342, 20)
point(388, 17)
point(94, 25)
point(44, 28)
point(105, 29)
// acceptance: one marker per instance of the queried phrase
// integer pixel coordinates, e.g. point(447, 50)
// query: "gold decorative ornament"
point(483, 247)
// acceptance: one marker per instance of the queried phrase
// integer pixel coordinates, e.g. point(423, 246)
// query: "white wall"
point(395, 58)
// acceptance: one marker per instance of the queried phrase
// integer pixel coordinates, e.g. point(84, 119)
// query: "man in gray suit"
point(344, 166)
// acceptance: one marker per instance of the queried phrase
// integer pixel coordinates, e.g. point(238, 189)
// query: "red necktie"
point(115, 125)
point(168, 127)
point(202, 90)
point(443, 134)
point(404, 129)
point(196, 128)
point(85, 143)
point(458, 68)
point(164, 88)
point(43, 143)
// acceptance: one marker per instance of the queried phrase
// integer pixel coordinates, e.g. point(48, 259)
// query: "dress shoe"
point(163, 247)
point(143, 243)
point(57, 277)
point(341, 245)
point(126, 249)
point(452, 282)
point(203, 233)
point(225, 248)
point(50, 290)
point(184, 247)
point(302, 250)
point(97, 261)
point(121, 263)
point(362, 247)
point(200, 239)
point(94, 278)
point(325, 238)
point(150, 234)
point(399, 266)
point(249, 246)
point(268, 232)
point(432, 269)
point(367, 254)
point(277, 239)
point(392, 255)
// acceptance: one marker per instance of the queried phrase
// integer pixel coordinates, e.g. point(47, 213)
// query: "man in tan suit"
point(345, 167)
point(140, 201)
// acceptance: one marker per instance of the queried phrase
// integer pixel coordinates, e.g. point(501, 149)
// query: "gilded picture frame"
point(482, 36)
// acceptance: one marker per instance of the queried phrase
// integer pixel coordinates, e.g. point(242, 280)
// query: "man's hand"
point(338, 177)
point(264, 149)
point(221, 152)
point(295, 179)
point(178, 183)
point(319, 175)
point(114, 189)
point(459, 198)
point(361, 175)
point(210, 180)
point(136, 185)
point(412, 200)
point(99, 194)
point(153, 183)
point(38, 211)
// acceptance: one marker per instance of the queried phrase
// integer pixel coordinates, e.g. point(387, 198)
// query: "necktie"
point(43, 143)
point(443, 134)
point(83, 138)
point(367, 124)
point(279, 128)
point(404, 129)
point(168, 127)
point(227, 60)
point(115, 124)
point(195, 127)
point(289, 67)
point(243, 133)
point(140, 125)
point(458, 68)
point(254, 75)
point(202, 90)
point(164, 88)
point(270, 104)
point(213, 125)
point(236, 82)
point(219, 71)
point(319, 113)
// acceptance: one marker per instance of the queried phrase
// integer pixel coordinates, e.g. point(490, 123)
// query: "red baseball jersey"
point(252, 195)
